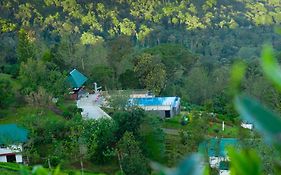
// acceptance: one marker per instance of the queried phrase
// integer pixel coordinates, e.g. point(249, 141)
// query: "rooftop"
point(217, 147)
point(12, 133)
point(76, 79)
point(155, 101)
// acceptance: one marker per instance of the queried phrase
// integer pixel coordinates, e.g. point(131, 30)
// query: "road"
point(91, 107)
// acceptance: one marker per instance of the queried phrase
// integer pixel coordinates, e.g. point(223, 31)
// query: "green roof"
point(11, 134)
point(76, 79)
point(217, 147)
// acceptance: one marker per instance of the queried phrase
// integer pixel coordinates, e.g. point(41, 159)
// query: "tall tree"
point(151, 72)
point(131, 158)
point(100, 138)
point(197, 85)
point(119, 51)
point(25, 49)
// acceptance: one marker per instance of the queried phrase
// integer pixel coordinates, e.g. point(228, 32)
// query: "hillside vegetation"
point(182, 48)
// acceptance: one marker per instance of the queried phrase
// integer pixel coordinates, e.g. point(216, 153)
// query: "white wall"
point(3, 159)
point(19, 158)
point(224, 172)
point(214, 162)
point(157, 108)
point(247, 125)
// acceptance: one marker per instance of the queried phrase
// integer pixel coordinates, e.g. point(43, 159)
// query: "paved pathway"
point(91, 106)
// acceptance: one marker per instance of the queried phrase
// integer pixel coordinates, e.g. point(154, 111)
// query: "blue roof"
point(76, 79)
point(217, 147)
point(155, 101)
point(11, 134)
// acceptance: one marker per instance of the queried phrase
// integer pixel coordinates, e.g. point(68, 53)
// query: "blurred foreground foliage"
point(244, 161)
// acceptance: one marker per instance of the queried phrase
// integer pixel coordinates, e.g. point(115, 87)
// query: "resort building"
point(12, 138)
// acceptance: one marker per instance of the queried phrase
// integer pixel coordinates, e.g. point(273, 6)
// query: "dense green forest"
point(179, 48)
point(194, 41)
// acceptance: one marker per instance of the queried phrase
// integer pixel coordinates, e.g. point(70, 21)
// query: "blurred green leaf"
point(237, 74)
point(57, 171)
point(278, 167)
point(206, 170)
point(192, 165)
point(267, 122)
point(24, 170)
point(39, 170)
point(244, 163)
point(270, 66)
point(277, 29)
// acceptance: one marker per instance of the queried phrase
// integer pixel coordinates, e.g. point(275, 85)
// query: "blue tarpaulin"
point(155, 101)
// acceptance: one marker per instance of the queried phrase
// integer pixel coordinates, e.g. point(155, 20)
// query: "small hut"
point(76, 81)
point(12, 137)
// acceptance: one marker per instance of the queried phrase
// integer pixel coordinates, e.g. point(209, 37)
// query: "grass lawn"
point(215, 128)
point(8, 172)
point(15, 115)
point(174, 123)
point(64, 104)
point(229, 130)
point(14, 169)
point(110, 167)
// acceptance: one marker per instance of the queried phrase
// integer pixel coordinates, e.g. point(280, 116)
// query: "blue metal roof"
point(76, 79)
point(155, 101)
point(217, 147)
point(11, 134)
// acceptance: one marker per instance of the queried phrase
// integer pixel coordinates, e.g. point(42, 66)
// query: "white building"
point(11, 139)
point(247, 125)
point(141, 94)
point(165, 107)
point(216, 150)
point(11, 153)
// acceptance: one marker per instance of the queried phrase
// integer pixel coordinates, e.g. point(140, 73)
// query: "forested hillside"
point(218, 30)
point(194, 42)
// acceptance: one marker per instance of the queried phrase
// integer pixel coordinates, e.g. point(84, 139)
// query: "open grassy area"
point(214, 127)
point(64, 104)
point(15, 115)
point(175, 122)
point(110, 167)
point(229, 130)
point(14, 169)
point(8, 172)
